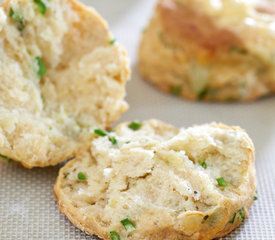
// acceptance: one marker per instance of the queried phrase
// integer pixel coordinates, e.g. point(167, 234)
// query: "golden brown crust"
point(160, 224)
point(180, 22)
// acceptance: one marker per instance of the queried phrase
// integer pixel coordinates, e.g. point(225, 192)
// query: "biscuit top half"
point(62, 75)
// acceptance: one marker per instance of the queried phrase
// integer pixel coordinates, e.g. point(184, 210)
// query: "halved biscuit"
point(154, 181)
point(211, 50)
point(62, 75)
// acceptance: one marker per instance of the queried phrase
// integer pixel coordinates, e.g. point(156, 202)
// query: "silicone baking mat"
point(28, 210)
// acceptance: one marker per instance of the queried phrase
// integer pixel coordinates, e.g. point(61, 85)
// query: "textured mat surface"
point(28, 210)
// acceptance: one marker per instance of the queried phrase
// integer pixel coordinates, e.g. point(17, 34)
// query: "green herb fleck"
point(231, 99)
point(243, 85)
point(237, 50)
point(80, 124)
point(100, 132)
point(221, 182)
point(160, 35)
point(9, 160)
point(65, 175)
point(41, 6)
point(112, 42)
point(114, 235)
point(212, 93)
point(205, 218)
point(241, 215)
point(202, 94)
point(256, 196)
point(203, 163)
point(41, 67)
point(127, 142)
point(232, 220)
point(176, 90)
point(128, 225)
point(113, 140)
point(81, 176)
point(135, 126)
point(43, 99)
point(17, 18)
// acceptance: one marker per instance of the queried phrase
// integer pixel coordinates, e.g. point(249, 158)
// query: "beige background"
point(27, 207)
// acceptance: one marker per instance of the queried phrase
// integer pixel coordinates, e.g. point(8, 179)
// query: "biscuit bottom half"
point(151, 180)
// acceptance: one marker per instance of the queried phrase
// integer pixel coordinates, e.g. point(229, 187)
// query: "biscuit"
point(62, 74)
point(211, 50)
point(160, 182)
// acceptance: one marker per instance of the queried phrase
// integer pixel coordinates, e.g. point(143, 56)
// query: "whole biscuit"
point(211, 50)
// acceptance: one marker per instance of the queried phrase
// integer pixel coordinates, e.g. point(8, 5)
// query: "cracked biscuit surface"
point(220, 50)
point(169, 183)
point(62, 75)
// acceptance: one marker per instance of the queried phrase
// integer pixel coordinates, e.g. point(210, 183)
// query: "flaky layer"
point(170, 183)
point(61, 76)
point(199, 50)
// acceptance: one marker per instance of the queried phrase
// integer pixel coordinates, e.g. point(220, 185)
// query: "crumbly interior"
point(155, 176)
point(211, 50)
point(44, 117)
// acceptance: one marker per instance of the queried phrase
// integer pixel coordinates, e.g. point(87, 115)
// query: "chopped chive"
point(65, 175)
point(212, 92)
point(255, 196)
point(202, 94)
point(41, 67)
point(232, 220)
point(203, 163)
point(43, 99)
point(114, 235)
point(128, 225)
point(112, 42)
point(241, 215)
point(176, 90)
point(231, 99)
point(42, 7)
point(127, 142)
point(243, 85)
point(221, 182)
point(205, 218)
point(80, 124)
point(100, 132)
point(9, 160)
point(160, 35)
point(235, 49)
point(17, 18)
point(113, 140)
point(81, 176)
point(135, 126)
